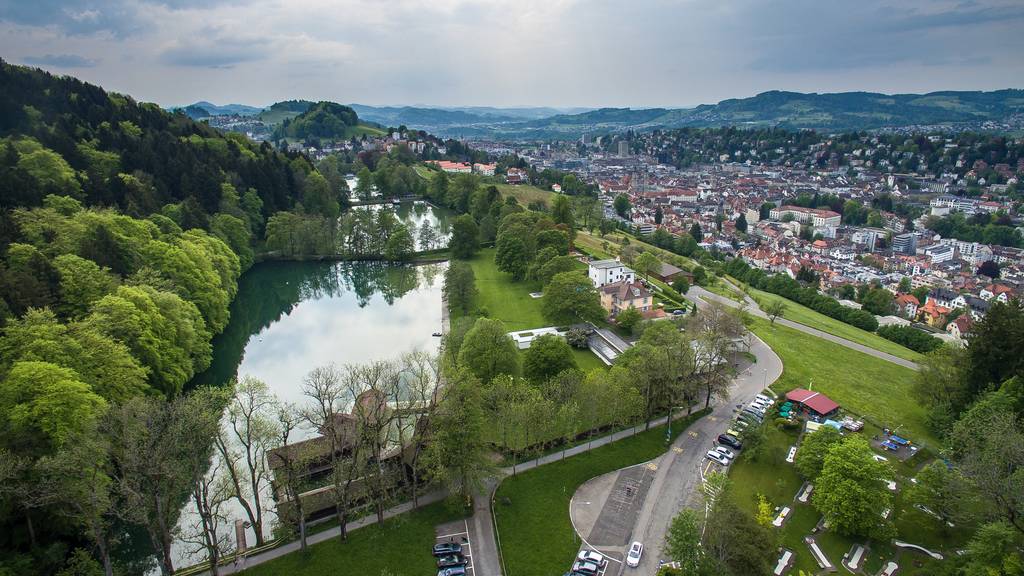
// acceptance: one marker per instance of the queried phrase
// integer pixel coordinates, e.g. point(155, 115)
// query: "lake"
point(290, 317)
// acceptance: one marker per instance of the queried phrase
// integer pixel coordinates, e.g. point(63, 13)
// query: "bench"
point(792, 454)
point(781, 517)
point(819, 556)
point(783, 564)
point(805, 493)
point(889, 569)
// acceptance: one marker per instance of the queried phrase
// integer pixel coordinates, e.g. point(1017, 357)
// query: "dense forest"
point(123, 232)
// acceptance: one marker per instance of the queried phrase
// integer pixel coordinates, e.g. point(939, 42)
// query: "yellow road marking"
point(692, 434)
point(677, 449)
point(652, 466)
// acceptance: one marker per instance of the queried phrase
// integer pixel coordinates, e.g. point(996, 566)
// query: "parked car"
point(730, 441)
point(757, 408)
point(583, 567)
point(716, 456)
point(740, 424)
point(733, 432)
point(725, 452)
point(753, 414)
point(636, 550)
point(747, 417)
point(451, 560)
point(764, 398)
point(591, 556)
point(454, 571)
point(447, 548)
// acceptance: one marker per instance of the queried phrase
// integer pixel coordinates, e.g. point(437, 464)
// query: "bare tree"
point(421, 372)
point(292, 459)
point(209, 492)
point(249, 432)
point(371, 385)
point(715, 331)
point(324, 387)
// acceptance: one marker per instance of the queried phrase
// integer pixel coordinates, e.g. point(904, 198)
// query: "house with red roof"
point(907, 305)
point(814, 402)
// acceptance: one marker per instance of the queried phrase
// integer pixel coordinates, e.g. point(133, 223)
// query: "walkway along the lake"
point(482, 514)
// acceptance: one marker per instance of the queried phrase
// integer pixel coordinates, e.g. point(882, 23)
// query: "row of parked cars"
point(751, 414)
point(450, 561)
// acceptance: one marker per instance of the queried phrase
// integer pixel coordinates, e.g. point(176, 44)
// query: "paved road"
point(678, 477)
point(698, 294)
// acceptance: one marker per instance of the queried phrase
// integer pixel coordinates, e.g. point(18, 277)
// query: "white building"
point(603, 272)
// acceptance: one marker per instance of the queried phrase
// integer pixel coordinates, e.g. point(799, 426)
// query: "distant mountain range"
point(794, 110)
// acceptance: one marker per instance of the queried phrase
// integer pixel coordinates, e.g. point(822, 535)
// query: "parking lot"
point(608, 562)
point(457, 531)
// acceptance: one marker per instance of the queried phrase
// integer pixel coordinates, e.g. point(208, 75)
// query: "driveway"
point(676, 477)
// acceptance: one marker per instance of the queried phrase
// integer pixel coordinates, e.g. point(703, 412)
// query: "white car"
point(764, 398)
point(593, 557)
point(716, 456)
point(636, 550)
point(725, 452)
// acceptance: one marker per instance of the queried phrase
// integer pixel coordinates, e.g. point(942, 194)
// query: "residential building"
point(939, 253)
point(813, 216)
point(621, 295)
point(907, 305)
point(604, 272)
point(484, 169)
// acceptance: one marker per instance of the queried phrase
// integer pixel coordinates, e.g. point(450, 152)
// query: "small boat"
point(436, 334)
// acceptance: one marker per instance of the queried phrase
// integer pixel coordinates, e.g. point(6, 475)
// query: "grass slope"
point(399, 547)
point(866, 385)
point(525, 193)
point(504, 299)
point(532, 509)
point(807, 317)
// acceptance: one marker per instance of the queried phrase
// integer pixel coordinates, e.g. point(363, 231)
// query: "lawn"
point(531, 510)
point(504, 299)
point(525, 193)
point(406, 539)
point(779, 482)
point(863, 384)
point(806, 316)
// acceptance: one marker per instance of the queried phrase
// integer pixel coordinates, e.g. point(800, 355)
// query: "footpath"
point(486, 558)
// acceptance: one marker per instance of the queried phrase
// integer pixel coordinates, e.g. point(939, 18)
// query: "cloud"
point(60, 61)
point(213, 48)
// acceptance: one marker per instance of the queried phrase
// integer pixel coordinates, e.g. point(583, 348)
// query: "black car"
point(447, 549)
point(451, 560)
point(730, 441)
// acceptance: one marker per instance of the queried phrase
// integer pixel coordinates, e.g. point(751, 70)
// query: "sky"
point(622, 53)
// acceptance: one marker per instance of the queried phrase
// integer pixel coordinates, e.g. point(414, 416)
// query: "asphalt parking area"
point(457, 531)
point(615, 522)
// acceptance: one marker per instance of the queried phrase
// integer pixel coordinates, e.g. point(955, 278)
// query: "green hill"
point(326, 121)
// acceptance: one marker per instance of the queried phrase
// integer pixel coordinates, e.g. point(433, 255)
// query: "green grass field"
point(779, 482)
point(531, 509)
point(807, 317)
point(866, 385)
point(399, 547)
point(525, 193)
point(504, 299)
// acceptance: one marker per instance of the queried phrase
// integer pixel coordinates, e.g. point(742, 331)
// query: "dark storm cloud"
point(119, 18)
point(59, 61)
point(116, 17)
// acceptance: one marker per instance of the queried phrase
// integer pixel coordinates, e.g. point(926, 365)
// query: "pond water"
point(290, 317)
point(414, 214)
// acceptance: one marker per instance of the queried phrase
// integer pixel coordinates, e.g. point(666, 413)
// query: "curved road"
point(698, 294)
point(677, 473)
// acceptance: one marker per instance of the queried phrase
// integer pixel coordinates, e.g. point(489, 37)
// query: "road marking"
point(652, 466)
point(677, 449)
point(713, 418)
point(692, 434)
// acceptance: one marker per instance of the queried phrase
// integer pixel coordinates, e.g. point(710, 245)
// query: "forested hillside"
point(123, 232)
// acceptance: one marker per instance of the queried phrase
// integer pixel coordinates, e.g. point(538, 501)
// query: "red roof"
point(814, 400)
